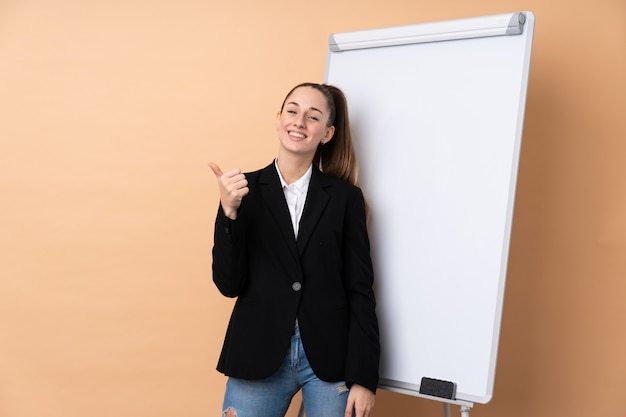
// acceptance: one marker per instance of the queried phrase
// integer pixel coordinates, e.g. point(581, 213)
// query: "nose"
point(299, 121)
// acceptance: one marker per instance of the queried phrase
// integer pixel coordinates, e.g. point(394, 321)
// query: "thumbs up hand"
point(233, 188)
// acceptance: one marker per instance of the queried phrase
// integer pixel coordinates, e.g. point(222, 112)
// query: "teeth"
point(298, 135)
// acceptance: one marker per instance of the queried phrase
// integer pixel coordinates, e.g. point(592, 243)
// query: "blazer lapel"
point(316, 201)
point(271, 191)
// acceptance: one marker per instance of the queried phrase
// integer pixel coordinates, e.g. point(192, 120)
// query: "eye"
point(314, 118)
point(291, 111)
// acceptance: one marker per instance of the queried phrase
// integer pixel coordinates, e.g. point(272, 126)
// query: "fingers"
point(231, 177)
point(237, 187)
point(234, 183)
point(360, 402)
point(349, 407)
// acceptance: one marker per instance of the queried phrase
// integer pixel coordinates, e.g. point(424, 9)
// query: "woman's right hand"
point(233, 188)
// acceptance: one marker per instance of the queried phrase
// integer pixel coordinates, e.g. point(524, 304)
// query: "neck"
point(292, 168)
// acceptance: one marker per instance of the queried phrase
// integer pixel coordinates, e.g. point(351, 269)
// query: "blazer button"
point(296, 286)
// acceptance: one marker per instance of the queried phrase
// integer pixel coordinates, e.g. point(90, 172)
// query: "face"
point(303, 122)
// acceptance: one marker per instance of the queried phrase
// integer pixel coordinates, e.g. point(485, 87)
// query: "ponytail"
point(337, 157)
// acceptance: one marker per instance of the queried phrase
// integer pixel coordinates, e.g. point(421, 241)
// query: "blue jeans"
point(270, 397)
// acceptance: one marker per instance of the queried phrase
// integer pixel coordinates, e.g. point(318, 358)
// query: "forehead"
point(308, 97)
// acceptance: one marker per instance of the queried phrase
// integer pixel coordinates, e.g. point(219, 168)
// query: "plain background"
point(109, 113)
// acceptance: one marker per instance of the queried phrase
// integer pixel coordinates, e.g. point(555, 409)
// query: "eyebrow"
point(311, 108)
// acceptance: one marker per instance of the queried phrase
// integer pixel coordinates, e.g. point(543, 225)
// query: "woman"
point(291, 244)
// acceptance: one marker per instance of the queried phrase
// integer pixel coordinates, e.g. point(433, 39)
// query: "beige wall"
point(109, 112)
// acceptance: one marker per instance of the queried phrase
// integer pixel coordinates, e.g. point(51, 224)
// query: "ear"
point(277, 121)
point(330, 131)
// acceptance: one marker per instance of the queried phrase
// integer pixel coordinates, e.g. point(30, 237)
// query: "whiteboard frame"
point(475, 27)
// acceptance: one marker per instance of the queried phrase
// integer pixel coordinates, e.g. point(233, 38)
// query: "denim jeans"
point(270, 397)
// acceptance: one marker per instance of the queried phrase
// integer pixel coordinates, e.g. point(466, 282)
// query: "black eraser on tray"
point(438, 388)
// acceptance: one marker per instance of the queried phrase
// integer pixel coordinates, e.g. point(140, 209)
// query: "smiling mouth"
point(297, 135)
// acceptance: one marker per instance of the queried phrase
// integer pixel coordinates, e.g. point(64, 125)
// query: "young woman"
point(291, 244)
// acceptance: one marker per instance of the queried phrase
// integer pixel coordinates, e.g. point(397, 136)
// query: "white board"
point(437, 112)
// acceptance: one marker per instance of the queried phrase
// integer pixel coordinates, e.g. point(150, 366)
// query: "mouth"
point(296, 135)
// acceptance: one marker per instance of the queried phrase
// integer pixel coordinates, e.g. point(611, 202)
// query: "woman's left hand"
point(360, 402)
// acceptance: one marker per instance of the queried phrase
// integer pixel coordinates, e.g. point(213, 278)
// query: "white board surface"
point(437, 128)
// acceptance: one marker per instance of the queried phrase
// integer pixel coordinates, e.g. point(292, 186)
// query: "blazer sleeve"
point(363, 338)
point(229, 260)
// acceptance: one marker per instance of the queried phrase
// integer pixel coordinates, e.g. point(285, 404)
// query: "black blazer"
point(324, 279)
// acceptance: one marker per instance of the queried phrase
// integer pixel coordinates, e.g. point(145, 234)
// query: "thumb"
point(216, 169)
